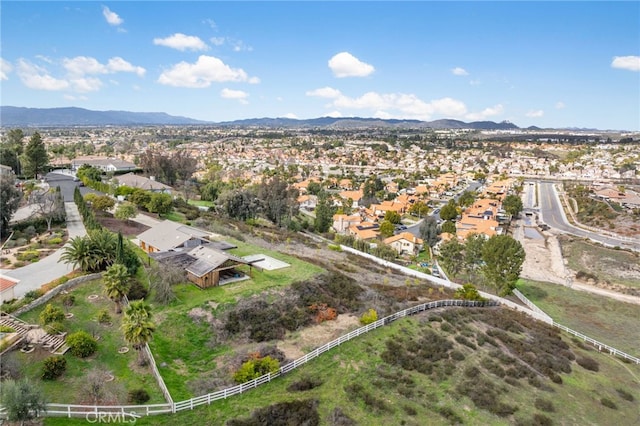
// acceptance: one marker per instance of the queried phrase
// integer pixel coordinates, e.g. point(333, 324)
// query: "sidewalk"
point(33, 276)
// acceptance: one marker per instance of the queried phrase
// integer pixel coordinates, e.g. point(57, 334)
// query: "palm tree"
point(137, 326)
point(79, 253)
point(103, 247)
point(116, 284)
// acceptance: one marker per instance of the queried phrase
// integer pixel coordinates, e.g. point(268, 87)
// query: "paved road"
point(552, 213)
point(67, 185)
point(34, 275)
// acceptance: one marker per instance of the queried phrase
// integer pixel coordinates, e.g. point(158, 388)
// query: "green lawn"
point(409, 397)
point(182, 347)
point(201, 203)
point(601, 318)
point(69, 388)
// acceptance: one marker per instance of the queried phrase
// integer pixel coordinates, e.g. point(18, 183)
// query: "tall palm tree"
point(137, 326)
point(103, 247)
point(116, 284)
point(79, 254)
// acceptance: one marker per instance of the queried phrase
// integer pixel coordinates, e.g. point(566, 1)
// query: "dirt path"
point(544, 262)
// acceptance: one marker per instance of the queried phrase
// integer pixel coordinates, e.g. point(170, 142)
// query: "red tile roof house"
point(405, 243)
point(6, 288)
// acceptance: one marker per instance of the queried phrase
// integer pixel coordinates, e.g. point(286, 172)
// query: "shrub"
point(138, 396)
point(54, 241)
point(53, 367)
point(304, 384)
point(51, 314)
point(81, 344)
point(608, 403)
point(104, 317)
point(303, 412)
point(137, 291)
point(625, 395)
point(33, 295)
point(68, 300)
point(255, 368)
point(6, 329)
point(55, 327)
point(544, 405)
point(28, 256)
point(588, 363)
point(368, 317)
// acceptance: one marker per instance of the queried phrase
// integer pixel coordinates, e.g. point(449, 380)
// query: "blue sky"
point(549, 64)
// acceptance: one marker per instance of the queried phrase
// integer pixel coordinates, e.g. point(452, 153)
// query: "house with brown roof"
point(212, 267)
point(141, 182)
point(7, 285)
point(365, 231)
point(342, 222)
point(106, 164)
point(169, 235)
point(405, 243)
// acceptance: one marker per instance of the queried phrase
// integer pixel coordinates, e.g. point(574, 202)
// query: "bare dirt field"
point(544, 261)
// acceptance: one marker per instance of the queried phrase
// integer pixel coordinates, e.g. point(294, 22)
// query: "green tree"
point(430, 231)
point(503, 258)
point(103, 203)
point(79, 254)
point(11, 149)
point(126, 211)
point(137, 326)
point(449, 227)
point(468, 292)
point(279, 201)
point(512, 204)
point(393, 217)
point(82, 344)
point(140, 198)
point(451, 256)
point(449, 211)
point(324, 214)
point(22, 400)
point(466, 199)
point(419, 209)
point(10, 198)
point(89, 172)
point(51, 314)
point(35, 156)
point(473, 251)
point(386, 229)
point(116, 284)
point(254, 368)
point(314, 188)
point(159, 203)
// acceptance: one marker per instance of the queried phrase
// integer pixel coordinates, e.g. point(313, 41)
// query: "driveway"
point(34, 275)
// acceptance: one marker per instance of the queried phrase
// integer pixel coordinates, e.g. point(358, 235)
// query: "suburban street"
point(552, 213)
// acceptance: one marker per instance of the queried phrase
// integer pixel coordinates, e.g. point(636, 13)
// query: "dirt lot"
point(545, 262)
point(128, 228)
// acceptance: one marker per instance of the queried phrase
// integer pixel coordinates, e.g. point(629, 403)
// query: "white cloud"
point(206, 70)
point(111, 17)
point(344, 64)
point(290, 115)
point(253, 80)
point(325, 92)
point(631, 63)
point(535, 113)
point(74, 98)
point(38, 78)
point(5, 68)
point(235, 94)
point(335, 114)
point(485, 113)
point(217, 41)
point(181, 42)
point(459, 71)
point(239, 46)
point(560, 105)
point(211, 23)
point(81, 65)
point(117, 64)
point(83, 85)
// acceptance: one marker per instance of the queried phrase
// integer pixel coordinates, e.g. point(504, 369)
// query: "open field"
point(69, 388)
point(369, 383)
point(608, 268)
point(182, 346)
point(606, 320)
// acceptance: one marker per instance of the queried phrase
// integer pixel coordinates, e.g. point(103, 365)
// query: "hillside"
point(473, 366)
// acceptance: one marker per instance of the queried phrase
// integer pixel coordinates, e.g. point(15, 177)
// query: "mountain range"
point(11, 116)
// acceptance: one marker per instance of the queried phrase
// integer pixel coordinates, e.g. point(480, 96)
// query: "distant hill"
point(72, 116)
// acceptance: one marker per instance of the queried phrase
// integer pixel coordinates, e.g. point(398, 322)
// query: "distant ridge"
point(11, 116)
point(72, 116)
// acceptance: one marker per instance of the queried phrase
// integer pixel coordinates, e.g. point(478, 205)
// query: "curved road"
point(552, 213)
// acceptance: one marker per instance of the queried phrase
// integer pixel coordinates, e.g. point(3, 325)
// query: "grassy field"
point(608, 265)
point(606, 320)
point(355, 378)
point(181, 345)
point(69, 388)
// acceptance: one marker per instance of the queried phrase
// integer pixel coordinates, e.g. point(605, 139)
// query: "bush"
point(608, 403)
point(544, 405)
point(54, 241)
point(33, 295)
point(53, 367)
point(6, 329)
point(28, 256)
point(81, 344)
point(55, 327)
point(304, 384)
point(303, 412)
point(625, 395)
point(68, 300)
point(368, 317)
point(51, 314)
point(588, 363)
point(104, 317)
point(255, 368)
point(138, 396)
point(137, 291)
